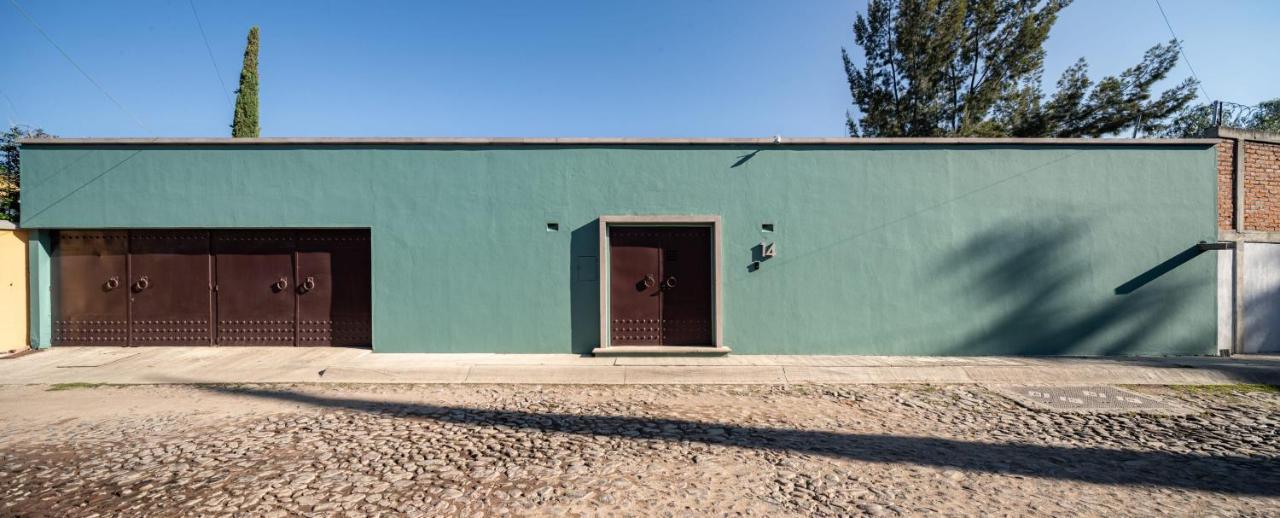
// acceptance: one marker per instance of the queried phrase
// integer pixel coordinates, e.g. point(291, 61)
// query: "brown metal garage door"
point(169, 302)
point(90, 291)
point(224, 287)
point(256, 301)
point(333, 282)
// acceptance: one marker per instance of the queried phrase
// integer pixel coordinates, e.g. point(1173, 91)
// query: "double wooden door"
point(200, 287)
point(660, 285)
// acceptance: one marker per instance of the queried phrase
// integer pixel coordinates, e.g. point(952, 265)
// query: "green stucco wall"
point(882, 249)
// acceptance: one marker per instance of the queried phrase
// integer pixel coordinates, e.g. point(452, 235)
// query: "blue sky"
point(519, 68)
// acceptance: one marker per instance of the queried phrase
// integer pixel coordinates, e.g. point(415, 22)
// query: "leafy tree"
point(974, 68)
point(1267, 117)
point(937, 67)
point(9, 167)
point(1116, 103)
point(1195, 121)
point(245, 122)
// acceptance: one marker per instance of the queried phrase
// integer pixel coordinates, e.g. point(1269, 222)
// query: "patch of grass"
point(1220, 390)
point(72, 386)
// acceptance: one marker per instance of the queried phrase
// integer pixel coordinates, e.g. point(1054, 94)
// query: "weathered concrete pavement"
point(345, 365)
point(645, 450)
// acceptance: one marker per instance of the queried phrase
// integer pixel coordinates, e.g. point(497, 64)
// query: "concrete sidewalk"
point(345, 365)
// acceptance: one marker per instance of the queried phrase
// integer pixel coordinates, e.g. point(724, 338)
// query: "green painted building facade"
point(883, 247)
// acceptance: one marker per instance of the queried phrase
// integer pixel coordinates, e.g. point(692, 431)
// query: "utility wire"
point(77, 66)
point(1200, 84)
point(205, 38)
point(12, 107)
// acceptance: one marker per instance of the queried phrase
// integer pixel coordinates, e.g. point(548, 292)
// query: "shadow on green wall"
point(743, 159)
point(584, 287)
point(1041, 284)
point(1159, 270)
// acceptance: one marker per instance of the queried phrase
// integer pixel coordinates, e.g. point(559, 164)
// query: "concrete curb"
point(181, 365)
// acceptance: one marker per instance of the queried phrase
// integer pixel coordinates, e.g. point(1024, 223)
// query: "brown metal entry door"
point(686, 286)
point(255, 287)
point(169, 287)
point(660, 286)
point(333, 286)
point(91, 304)
point(635, 299)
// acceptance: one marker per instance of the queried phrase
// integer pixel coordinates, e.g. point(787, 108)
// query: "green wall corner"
point(39, 264)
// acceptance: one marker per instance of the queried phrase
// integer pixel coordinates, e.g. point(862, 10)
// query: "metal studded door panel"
point(333, 286)
point(255, 287)
point(635, 300)
point(91, 304)
point(169, 287)
point(686, 286)
point(200, 287)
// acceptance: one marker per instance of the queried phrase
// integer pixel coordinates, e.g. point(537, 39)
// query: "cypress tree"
point(245, 122)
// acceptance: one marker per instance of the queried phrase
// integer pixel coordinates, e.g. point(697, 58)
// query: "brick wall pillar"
point(1261, 166)
point(1248, 212)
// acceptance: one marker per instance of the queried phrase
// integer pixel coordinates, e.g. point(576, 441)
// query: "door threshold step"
point(661, 350)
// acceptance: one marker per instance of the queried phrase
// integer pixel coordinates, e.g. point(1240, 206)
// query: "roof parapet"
point(610, 141)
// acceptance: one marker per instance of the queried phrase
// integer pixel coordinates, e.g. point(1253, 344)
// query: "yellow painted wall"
point(13, 290)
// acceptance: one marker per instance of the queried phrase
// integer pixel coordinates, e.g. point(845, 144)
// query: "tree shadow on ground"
point(1040, 280)
point(1229, 475)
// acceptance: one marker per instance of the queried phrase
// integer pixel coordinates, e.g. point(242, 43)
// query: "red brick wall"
point(1261, 185)
point(1226, 190)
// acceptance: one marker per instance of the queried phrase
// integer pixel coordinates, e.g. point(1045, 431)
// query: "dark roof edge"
point(598, 141)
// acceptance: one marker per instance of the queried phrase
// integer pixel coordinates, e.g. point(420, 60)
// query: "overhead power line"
point(77, 66)
point(216, 71)
point(12, 107)
point(1178, 42)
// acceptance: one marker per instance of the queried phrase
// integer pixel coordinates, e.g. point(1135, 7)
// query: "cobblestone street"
point(276, 450)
